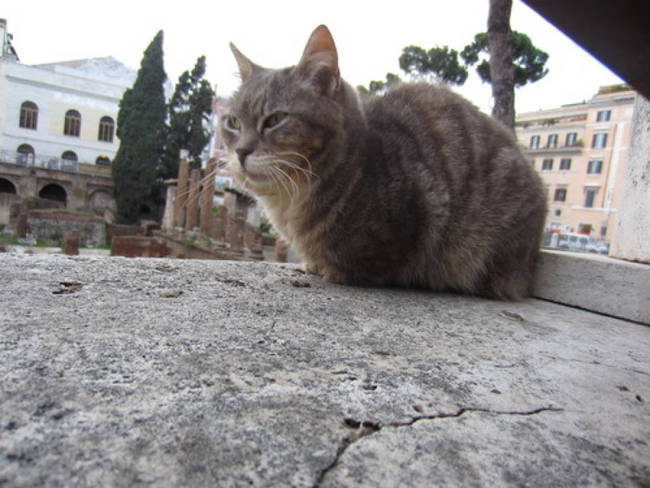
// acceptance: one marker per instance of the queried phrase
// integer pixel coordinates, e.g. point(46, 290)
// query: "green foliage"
point(189, 113)
point(141, 129)
point(436, 64)
point(528, 60)
point(376, 86)
point(444, 64)
point(614, 89)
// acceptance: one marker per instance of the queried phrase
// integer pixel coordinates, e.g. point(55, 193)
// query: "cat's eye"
point(232, 123)
point(272, 120)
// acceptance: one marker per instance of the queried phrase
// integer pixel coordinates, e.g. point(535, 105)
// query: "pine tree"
point(188, 123)
point(141, 130)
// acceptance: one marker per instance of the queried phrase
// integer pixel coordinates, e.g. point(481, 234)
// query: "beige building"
point(580, 151)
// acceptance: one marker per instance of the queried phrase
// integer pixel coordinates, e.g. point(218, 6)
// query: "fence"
point(31, 160)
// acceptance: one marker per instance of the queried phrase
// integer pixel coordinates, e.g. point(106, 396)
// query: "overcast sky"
point(369, 36)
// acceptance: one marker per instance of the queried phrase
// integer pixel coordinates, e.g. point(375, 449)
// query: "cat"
point(414, 188)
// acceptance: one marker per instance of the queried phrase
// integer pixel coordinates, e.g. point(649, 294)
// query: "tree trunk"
point(502, 71)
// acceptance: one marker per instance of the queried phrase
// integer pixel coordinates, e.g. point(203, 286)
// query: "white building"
point(60, 113)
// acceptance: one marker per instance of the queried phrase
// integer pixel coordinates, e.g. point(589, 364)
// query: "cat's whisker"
point(303, 157)
point(294, 186)
point(279, 179)
point(307, 171)
point(206, 179)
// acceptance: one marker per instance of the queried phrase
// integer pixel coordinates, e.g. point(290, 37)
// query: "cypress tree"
point(188, 123)
point(141, 130)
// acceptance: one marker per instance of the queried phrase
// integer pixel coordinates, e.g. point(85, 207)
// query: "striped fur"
point(414, 188)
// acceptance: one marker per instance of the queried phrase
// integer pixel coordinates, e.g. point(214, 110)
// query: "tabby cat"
point(414, 188)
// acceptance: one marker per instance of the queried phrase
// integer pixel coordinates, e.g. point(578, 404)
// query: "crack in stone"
point(366, 428)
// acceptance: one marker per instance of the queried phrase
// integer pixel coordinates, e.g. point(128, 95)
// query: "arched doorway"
point(54, 192)
point(7, 186)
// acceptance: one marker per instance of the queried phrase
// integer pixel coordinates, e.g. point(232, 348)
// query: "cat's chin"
point(258, 183)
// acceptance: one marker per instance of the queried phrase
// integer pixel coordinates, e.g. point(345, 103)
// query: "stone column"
point(207, 197)
point(192, 203)
point(255, 247)
point(170, 206)
point(631, 238)
point(181, 190)
point(281, 250)
point(236, 222)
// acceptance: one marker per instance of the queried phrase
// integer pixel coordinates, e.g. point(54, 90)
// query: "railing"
point(32, 161)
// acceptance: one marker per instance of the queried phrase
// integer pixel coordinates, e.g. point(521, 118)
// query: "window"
point(565, 163)
point(599, 141)
point(560, 195)
point(558, 212)
point(25, 154)
point(595, 167)
point(584, 229)
point(547, 165)
point(69, 156)
point(552, 141)
point(102, 161)
point(28, 115)
point(571, 139)
point(590, 196)
point(603, 115)
point(534, 142)
point(106, 128)
point(72, 124)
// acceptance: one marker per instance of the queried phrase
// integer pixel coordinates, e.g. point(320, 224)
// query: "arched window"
point(28, 115)
point(106, 128)
point(72, 124)
point(69, 156)
point(7, 186)
point(25, 154)
point(102, 161)
point(54, 192)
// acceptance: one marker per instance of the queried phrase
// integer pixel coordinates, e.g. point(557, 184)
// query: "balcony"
point(574, 148)
point(38, 161)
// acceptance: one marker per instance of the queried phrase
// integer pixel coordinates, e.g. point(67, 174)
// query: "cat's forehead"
point(265, 91)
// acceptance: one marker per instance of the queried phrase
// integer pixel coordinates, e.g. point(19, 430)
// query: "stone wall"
point(6, 201)
point(53, 225)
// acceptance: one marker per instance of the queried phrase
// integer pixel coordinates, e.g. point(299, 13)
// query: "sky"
point(369, 36)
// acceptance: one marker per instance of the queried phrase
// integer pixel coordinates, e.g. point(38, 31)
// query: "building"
point(54, 115)
point(580, 151)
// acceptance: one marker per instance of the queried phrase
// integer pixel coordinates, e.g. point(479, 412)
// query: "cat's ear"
point(246, 66)
point(320, 62)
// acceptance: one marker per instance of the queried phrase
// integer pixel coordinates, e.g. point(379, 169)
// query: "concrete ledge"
point(597, 283)
point(136, 372)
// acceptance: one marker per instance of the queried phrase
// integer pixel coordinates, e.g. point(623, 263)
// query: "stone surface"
point(632, 237)
point(138, 372)
point(597, 283)
point(71, 244)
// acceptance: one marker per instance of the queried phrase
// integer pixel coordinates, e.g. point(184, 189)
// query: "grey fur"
point(413, 188)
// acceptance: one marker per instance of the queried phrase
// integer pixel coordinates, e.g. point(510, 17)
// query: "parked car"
point(598, 247)
point(571, 241)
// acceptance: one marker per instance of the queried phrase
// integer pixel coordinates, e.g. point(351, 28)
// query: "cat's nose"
point(242, 152)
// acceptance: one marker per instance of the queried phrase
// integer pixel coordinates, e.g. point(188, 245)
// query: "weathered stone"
point(281, 251)
point(632, 237)
point(138, 246)
point(71, 244)
point(207, 196)
point(247, 379)
point(192, 203)
point(181, 192)
point(597, 283)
